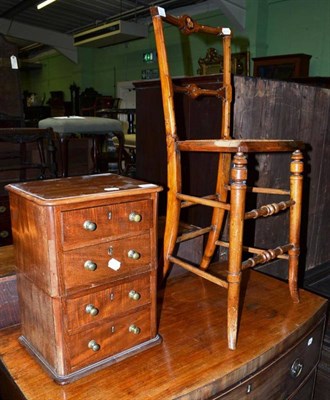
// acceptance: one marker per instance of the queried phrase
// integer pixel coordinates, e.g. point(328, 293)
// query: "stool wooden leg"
point(121, 143)
point(64, 148)
point(296, 186)
point(236, 224)
point(42, 157)
point(22, 150)
point(51, 157)
point(95, 152)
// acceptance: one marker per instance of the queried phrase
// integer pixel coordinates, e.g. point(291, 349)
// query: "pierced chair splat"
point(228, 202)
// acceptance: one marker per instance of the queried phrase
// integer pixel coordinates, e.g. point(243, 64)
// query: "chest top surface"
point(78, 188)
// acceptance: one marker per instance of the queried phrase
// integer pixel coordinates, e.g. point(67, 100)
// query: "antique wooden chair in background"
point(12, 124)
point(230, 189)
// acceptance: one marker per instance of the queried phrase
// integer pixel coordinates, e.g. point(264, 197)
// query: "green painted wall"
point(276, 27)
point(273, 27)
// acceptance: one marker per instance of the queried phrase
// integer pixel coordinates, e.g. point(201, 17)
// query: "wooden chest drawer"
point(90, 265)
point(278, 380)
point(91, 274)
point(5, 225)
point(94, 223)
point(108, 303)
point(110, 338)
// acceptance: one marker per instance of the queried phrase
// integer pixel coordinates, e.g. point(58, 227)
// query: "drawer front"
point(107, 261)
point(5, 236)
point(108, 303)
point(279, 380)
point(88, 224)
point(306, 390)
point(5, 225)
point(109, 339)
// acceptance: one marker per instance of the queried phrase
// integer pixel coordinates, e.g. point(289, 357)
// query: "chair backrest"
point(188, 26)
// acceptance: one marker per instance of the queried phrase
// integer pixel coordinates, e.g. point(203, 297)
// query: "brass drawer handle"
point(90, 265)
point(3, 209)
point(134, 295)
point(133, 254)
point(90, 309)
point(93, 345)
point(296, 368)
point(135, 217)
point(89, 226)
point(134, 329)
point(4, 234)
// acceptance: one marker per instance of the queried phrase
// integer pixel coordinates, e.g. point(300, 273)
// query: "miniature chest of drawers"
point(85, 250)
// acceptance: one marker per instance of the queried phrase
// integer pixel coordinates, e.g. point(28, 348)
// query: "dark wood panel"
point(11, 104)
point(269, 109)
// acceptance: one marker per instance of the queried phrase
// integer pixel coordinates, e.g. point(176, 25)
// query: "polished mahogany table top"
point(193, 361)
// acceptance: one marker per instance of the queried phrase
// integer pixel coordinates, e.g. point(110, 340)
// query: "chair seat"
point(243, 145)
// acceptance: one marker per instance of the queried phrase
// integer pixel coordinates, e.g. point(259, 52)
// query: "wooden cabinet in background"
point(284, 67)
point(85, 251)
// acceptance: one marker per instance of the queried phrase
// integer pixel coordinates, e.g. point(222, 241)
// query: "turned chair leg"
point(236, 225)
point(296, 186)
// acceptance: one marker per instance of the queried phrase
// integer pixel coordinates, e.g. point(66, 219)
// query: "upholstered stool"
point(95, 127)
